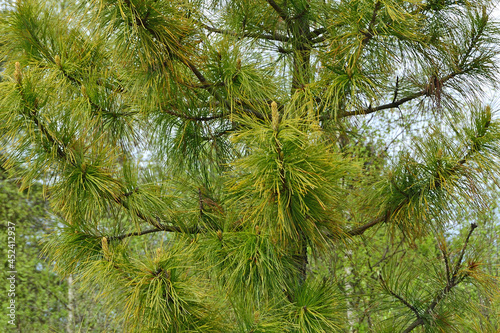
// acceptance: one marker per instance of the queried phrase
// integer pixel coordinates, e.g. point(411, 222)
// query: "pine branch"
point(108, 86)
point(384, 218)
point(380, 107)
point(394, 104)
point(61, 152)
point(207, 86)
point(396, 90)
point(81, 86)
point(32, 114)
point(47, 54)
point(475, 39)
point(152, 221)
point(414, 325)
point(318, 35)
point(221, 133)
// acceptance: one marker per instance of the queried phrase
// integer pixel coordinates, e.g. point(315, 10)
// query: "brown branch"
point(219, 134)
point(382, 107)
point(387, 257)
point(396, 90)
point(279, 10)
point(197, 73)
point(154, 222)
point(442, 248)
point(315, 36)
point(163, 228)
point(360, 230)
point(273, 36)
point(284, 51)
point(415, 324)
point(369, 32)
point(394, 104)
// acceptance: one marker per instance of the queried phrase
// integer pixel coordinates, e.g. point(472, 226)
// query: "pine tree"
point(210, 159)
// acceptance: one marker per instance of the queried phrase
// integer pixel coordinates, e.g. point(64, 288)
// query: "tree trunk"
point(301, 76)
point(348, 292)
point(71, 305)
point(301, 72)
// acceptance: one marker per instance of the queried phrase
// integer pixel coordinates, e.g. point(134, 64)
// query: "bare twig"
point(451, 283)
point(399, 297)
point(442, 248)
point(396, 90)
point(458, 264)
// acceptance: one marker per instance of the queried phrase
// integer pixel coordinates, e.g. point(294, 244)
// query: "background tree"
point(41, 295)
point(38, 291)
point(216, 162)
